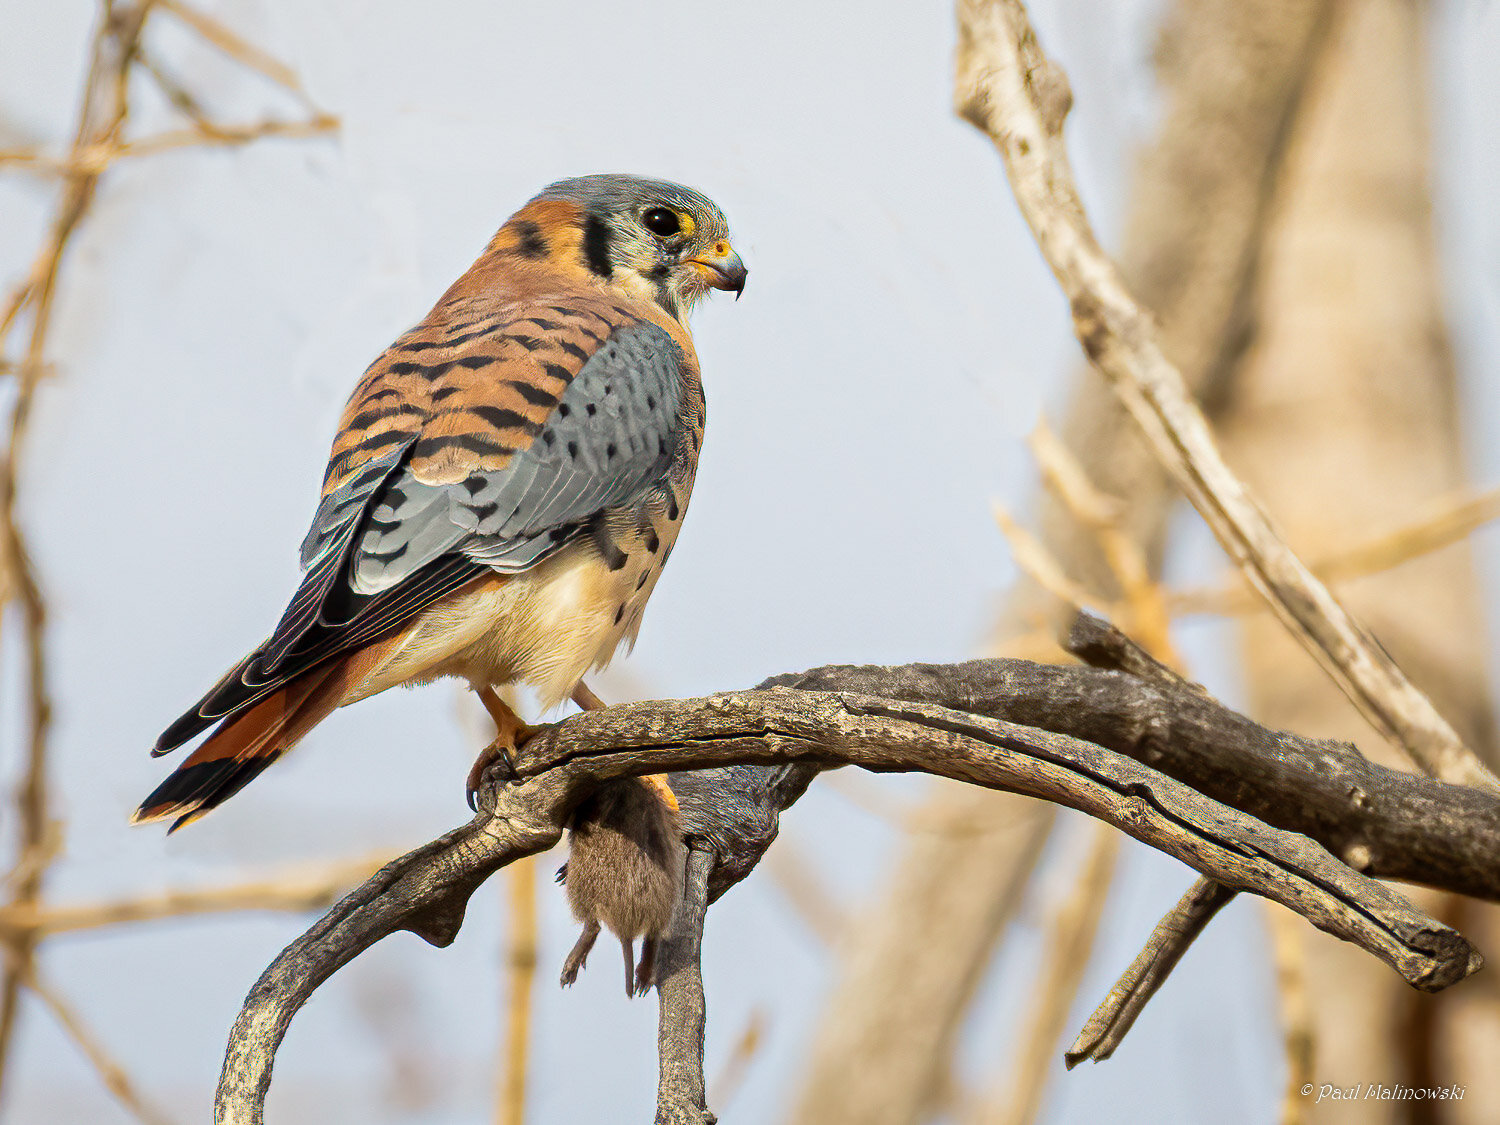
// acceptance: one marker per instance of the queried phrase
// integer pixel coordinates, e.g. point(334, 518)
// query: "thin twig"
point(182, 99)
point(235, 46)
point(520, 973)
point(1451, 523)
point(110, 1072)
point(1165, 947)
point(731, 1076)
point(1298, 1044)
point(92, 160)
point(1019, 98)
point(1069, 949)
point(101, 117)
point(1142, 609)
point(294, 892)
point(1038, 562)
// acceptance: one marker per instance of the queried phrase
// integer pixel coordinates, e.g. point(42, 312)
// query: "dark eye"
point(662, 222)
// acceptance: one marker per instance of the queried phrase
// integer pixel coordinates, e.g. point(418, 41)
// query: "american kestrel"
point(506, 484)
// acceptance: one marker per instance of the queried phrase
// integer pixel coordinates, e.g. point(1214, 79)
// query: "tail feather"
point(246, 743)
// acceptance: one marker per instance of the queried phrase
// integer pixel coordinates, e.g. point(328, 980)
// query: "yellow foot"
point(658, 782)
point(584, 696)
point(512, 732)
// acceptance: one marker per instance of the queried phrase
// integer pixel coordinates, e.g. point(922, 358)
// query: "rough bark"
point(786, 731)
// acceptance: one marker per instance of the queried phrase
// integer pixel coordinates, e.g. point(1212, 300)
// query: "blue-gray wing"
point(606, 444)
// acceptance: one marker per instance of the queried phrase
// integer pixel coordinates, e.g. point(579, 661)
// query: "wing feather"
point(493, 480)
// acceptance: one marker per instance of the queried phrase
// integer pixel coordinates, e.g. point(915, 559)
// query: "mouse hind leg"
point(645, 972)
point(627, 945)
point(579, 953)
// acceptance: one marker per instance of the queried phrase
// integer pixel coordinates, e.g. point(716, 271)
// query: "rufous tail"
point(246, 743)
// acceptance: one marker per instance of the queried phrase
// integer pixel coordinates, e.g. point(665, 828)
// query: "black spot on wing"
point(460, 335)
point(613, 557)
point(369, 416)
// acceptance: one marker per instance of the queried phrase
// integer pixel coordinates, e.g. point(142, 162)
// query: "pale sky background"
point(867, 401)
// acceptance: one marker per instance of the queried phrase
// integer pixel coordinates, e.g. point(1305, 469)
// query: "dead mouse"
point(624, 870)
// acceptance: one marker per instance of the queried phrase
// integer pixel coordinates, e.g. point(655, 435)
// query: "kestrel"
point(507, 482)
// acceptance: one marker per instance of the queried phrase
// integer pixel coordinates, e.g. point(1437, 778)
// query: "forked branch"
point(1060, 734)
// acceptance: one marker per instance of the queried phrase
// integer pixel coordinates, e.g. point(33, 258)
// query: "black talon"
point(489, 758)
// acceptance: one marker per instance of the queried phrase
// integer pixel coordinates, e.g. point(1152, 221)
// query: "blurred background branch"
point(98, 140)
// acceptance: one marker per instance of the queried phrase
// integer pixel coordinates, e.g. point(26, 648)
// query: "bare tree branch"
point(926, 718)
point(101, 119)
point(681, 1098)
point(1168, 942)
point(1011, 91)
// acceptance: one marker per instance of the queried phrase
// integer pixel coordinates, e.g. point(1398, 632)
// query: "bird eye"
point(662, 222)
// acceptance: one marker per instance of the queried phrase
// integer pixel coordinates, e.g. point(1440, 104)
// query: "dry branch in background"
point(101, 117)
point(1448, 524)
point(295, 891)
point(1001, 724)
point(1230, 76)
point(1019, 98)
point(98, 140)
point(1069, 950)
point(520, 976)
point(1354, 290)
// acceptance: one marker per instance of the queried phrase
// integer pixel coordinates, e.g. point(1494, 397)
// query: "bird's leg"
point(579, 953)
point(510, 733)
point(584, 696)
point(628, 945)
point(645, 972)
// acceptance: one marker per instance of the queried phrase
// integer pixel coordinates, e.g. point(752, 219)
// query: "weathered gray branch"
point(1148, 972)
point(681, 1097)
point(1002, 724)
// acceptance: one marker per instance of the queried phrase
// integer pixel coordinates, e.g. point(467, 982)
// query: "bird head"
point(653, 239)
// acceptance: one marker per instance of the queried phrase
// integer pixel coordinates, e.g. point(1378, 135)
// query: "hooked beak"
point(723, 269)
